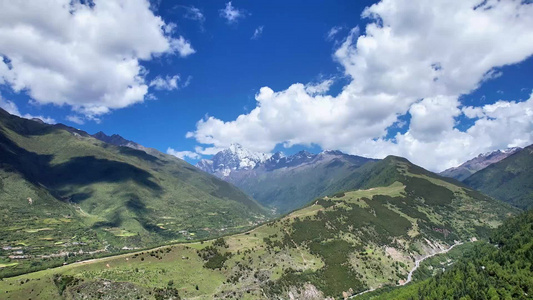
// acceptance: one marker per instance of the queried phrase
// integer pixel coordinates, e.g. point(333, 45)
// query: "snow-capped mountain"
point(478, 163)
point(284, 182)
point(233, 158)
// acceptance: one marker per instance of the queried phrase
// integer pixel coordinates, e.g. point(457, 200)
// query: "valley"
point(336, 246)
point(272, 150)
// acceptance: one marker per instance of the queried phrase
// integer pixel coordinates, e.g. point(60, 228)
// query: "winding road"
point(418, 261)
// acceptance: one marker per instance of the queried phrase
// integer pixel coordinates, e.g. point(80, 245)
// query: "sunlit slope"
point(102, 196)
point(345, 243)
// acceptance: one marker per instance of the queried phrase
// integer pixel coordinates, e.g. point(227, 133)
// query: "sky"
point(437, 82)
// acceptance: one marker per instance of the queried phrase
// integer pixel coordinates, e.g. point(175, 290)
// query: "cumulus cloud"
point(13, 109)
point(183, 154)
point(75, 119)
point(182, 46)
point(257, 33)
point(232, 14)
point(169, 83)
point(414, 59)
point(319, 88)
point(83, 55)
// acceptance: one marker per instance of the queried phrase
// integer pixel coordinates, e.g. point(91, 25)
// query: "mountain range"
point(336, 246)
point(285, 182)
point(345, 224)
point(478, 163)
point(510, 179)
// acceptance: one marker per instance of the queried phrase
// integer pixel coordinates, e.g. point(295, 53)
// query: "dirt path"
point(418, 261)
point(301, 253)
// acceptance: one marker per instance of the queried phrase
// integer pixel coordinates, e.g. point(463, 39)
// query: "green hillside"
point(335, 246)
point(510, 179)
point(484, 272)
point(91, 196)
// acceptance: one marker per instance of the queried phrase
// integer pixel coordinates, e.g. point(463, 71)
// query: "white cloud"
point(431, 117)
point(187, 82)
point(257, 33)
point(195, 14)
point(231, 14)
point(207, 150)
point(9, 106)
point(169, 83)
point(75, 119)
point(12, 108)
point(333, 32)
point(183, 154)
point(319, 88)
point(169, 28)
point(182, 46)
point(415, 58)
point(88, 57)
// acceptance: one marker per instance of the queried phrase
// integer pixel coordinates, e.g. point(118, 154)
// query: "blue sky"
point(222, 67)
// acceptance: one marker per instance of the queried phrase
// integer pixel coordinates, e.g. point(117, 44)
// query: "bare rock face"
point(307, 292)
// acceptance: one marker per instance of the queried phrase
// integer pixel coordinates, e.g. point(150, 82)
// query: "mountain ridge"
point(509, 180)
point(335, 246)
point(478, 163)
point(79, 189)
point(286, 183)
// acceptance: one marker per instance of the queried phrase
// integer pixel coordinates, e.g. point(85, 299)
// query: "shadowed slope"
point(86, 192)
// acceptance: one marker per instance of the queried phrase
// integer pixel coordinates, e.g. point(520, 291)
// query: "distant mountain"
point(60, 187)
point(478, 163)
point(234, 158)
point(285, 182)
point(510, 179)
point(118, 140)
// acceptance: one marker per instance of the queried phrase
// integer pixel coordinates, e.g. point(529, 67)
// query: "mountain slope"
point(485, 272)
point(336, 246)
point(478, 163)
point(510, 179)
point(84, 191)
point(288, 183)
